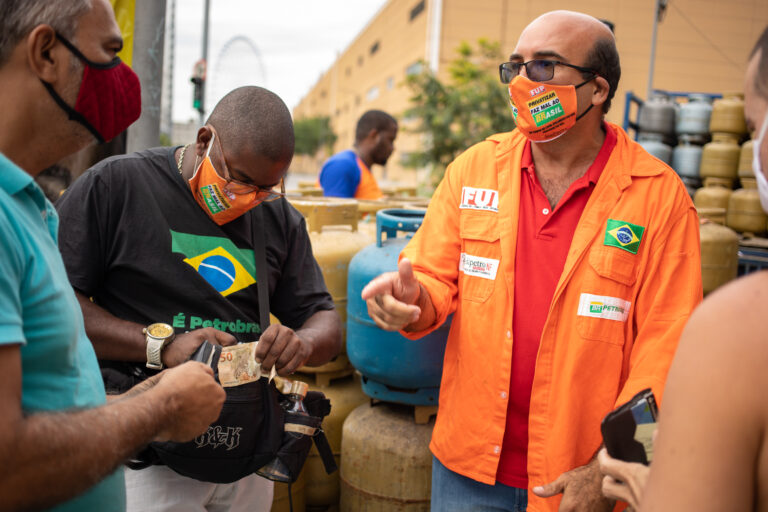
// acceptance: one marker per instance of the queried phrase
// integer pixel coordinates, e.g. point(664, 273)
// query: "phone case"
point(627, 431)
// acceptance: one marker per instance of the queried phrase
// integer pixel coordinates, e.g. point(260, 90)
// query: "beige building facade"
point(701, 46)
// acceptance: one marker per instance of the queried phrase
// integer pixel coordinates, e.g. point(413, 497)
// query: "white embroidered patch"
point(478, 267)
point(479, 199)
point(600, 306)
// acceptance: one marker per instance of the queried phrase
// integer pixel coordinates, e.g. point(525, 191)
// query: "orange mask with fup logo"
point(214, 195)
point(543, 112)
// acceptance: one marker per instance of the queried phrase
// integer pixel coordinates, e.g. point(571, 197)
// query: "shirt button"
point(545, 211)
point(503, 394)
point(496, 449)
point(509, 334)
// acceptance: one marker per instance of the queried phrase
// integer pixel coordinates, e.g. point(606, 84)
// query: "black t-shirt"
point(133, 237)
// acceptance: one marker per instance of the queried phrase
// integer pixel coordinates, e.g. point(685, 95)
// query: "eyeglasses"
point(263, 194)
point(538, 70)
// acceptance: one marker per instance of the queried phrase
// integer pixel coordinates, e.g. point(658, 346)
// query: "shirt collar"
point(594, 171)
point(12, 178)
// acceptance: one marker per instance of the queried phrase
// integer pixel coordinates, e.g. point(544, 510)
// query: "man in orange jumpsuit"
point(570, 260)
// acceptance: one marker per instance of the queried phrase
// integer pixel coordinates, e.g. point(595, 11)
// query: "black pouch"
point(246, 436)
point(300, 430)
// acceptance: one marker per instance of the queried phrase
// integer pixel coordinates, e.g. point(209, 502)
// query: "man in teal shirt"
point(60, 442)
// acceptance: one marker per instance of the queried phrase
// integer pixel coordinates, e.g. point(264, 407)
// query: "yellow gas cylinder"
point(728, 115)
point(745, 213)
point(745, 160)
point(720, 158)
point(714, 194)
point(367, 209)
point(332, 225)
point(345, 394)
point(405, 190)
point(308, 184)
point(280, 501)
point(719, 249)
point(386, 464)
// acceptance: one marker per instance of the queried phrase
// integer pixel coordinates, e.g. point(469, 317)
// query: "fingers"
point(224, 339)
point(390, 314)
point(283, 349)
point(405, 272)
point(381, 285)
point(266, 340)
point(615, 489)
point(550, 489)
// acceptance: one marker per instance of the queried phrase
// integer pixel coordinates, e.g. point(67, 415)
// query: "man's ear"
point(600, 94)
point(44, 55)
point(204, 136)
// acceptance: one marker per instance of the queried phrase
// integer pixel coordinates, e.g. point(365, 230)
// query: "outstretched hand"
point(391, 298)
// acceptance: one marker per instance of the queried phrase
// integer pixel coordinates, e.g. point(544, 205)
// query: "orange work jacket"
point(367, 188)
point(613, 324)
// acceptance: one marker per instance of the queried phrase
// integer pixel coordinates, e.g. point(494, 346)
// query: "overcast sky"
point(297, 41)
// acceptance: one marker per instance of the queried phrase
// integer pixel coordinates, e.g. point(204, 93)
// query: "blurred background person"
point(348, 174)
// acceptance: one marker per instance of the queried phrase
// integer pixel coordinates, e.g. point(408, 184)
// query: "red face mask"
point(109, 100)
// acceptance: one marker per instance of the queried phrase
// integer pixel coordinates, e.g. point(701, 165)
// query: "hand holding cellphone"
point(628, 430)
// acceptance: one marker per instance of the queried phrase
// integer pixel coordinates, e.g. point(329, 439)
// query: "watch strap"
point(154, 353)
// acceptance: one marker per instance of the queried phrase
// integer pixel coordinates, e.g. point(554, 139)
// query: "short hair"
point(19, 17)
point(603, 57)
point(761, 76)
point(254, 117)
point(373, 120)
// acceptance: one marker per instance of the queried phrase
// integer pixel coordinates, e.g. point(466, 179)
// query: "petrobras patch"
point(478, 266)
point(479, 199)
point(600, 306)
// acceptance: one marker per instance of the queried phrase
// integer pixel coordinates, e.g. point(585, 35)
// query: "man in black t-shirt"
point(171, 236)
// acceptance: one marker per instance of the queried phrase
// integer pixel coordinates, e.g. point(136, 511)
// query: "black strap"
point(324, 449)
point(262, 276)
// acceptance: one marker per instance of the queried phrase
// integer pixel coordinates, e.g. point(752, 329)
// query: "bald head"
point(574, 38)
point(257, 119)
point(575, 25)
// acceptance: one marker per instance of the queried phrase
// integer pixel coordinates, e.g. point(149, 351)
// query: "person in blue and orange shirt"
point(348, 174)
point(570, 260)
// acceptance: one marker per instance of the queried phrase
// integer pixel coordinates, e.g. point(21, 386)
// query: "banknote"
point(238, 365)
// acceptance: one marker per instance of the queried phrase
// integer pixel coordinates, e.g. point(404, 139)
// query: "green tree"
point(312, 133)
point(456, 113)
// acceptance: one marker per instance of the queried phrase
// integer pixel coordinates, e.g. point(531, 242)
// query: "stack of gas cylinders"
point(716, 170)
point(387, 450)
point(385, 459)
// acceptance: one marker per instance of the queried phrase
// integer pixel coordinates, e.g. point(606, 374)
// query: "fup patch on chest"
point(479, 199)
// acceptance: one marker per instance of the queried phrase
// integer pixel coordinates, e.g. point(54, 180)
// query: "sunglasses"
point(538, 70)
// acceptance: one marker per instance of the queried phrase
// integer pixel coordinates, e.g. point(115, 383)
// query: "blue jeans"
point(452, 492)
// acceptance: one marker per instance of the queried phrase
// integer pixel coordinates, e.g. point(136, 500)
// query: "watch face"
point(160, 330)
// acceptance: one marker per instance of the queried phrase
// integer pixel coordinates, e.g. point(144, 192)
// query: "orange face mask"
point(543, 112)
point(214, 194)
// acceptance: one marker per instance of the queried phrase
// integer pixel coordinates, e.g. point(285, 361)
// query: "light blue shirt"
point(39, 312)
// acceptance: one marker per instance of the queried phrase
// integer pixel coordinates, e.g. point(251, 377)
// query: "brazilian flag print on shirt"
point(623, 235)
point(220, 262)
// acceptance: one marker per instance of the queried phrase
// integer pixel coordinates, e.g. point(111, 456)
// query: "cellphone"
point(208, 353)
point(628, 430)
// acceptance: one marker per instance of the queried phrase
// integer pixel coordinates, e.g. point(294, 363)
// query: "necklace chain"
point(181, 157)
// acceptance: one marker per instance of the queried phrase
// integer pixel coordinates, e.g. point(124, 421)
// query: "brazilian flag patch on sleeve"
point(623, 235)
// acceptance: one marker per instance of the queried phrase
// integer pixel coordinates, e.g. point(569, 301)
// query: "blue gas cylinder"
point(394, 368)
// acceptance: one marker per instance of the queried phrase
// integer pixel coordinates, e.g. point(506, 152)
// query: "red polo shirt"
point(543, 239)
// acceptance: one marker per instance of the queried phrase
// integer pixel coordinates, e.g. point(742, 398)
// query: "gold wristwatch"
point(158, 336)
